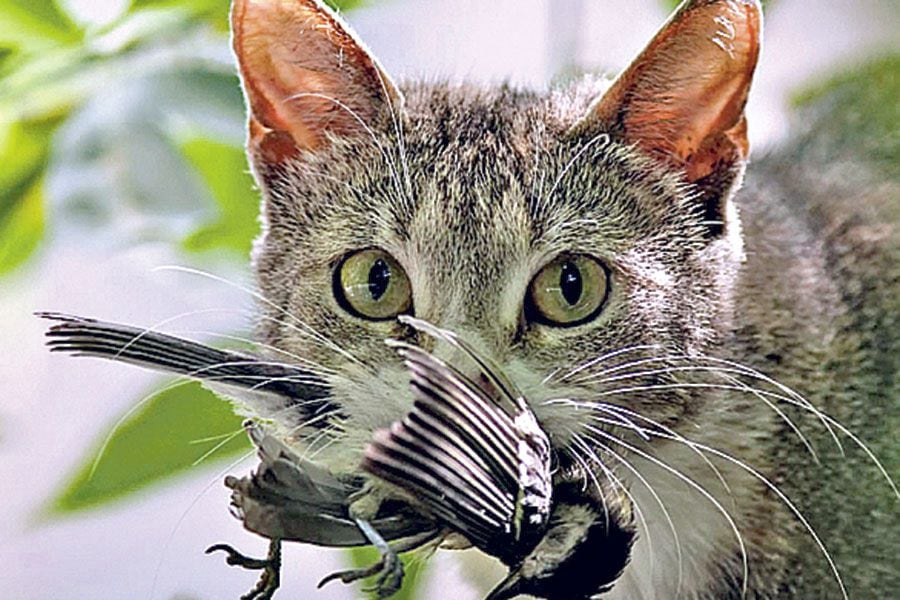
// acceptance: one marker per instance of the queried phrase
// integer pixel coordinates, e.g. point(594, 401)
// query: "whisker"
point(781, 414)
point(637, 508)
point(125, 417)
point(384, 154)
point(254, 294)
point(590, 473)
point(398, 131)
point(784, 498)
point(155, 328)
point(310, 365)
point(215, 448)
point(604, 357)
point(705, 459)
point(666, 515)
point(621, 420)
point(183, 380)
point(312, 454)
point(747, 371)
point(693, 484)
point(724, 373)
point(211, 438)
point(313, 420)
point(833, 422)
point(784, 389)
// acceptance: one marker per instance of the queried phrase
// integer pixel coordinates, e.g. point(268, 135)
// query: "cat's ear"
point(305, 77)
point(682, 100)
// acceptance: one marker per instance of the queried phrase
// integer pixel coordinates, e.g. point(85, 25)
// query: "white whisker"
point(654, 423)
point(690, 482)
point(254, 294)
point(787, 502)
point(605, 357)
point(384, 154)
point(743, 370)
point(666, 515)
point(724, 373)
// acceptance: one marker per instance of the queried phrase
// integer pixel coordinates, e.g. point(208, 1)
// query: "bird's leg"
point(389, 568)
point(270, 566)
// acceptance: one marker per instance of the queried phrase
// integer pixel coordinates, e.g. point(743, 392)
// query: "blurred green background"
point(121, 125)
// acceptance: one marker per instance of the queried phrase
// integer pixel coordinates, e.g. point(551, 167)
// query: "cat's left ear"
point(682, 100)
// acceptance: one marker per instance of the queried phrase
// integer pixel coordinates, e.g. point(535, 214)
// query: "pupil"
point(570, 283)
point(379, 278)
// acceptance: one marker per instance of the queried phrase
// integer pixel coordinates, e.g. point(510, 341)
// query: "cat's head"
point(568, 235)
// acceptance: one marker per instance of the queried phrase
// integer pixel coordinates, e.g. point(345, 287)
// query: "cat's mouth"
point(475, 455)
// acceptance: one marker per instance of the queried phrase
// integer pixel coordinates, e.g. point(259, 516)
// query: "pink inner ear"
point(682, 100)
point(305, 76)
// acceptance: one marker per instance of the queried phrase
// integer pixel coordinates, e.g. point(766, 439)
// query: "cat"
point(702, 339)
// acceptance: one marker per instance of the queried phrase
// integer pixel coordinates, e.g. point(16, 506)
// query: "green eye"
point(372, 285)
point(568, 291)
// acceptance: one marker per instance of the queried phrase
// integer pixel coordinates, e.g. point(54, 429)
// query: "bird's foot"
point(270, 566)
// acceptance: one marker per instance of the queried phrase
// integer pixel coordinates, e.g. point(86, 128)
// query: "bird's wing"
point(223, 370)
point(479, 464)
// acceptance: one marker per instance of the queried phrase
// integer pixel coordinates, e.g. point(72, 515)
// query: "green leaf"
point(345, 5)
point(22, 229)
point(6, 53)
point(223, 169)
point(170, 434)
point(216, 11)
point(415, 566)
point(855, 114)
point(211, 11)
point(24, 153)
point(36, 24)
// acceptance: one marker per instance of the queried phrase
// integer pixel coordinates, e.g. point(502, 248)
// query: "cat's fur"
point(473, 190)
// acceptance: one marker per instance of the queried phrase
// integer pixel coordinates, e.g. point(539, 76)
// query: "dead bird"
point(472, 452)
point(470, 459)
point(287, 498)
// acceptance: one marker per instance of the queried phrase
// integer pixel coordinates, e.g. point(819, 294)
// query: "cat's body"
point(473, 191)
point(820, 292)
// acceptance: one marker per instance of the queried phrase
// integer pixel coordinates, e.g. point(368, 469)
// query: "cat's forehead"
point(480, 179)
point(499, 166)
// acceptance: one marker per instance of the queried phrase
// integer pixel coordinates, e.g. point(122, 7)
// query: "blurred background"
point(124, 195)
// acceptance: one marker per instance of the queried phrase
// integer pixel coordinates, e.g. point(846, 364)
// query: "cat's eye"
point(372, 285)
point(569, 291)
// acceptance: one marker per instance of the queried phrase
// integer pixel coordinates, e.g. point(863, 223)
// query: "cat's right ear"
point(682, 99)
point(305, 76)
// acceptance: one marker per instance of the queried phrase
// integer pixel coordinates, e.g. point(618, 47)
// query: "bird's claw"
point(269, 579)
point(389, 570)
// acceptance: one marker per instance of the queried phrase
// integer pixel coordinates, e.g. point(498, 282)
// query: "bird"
point(470, 461)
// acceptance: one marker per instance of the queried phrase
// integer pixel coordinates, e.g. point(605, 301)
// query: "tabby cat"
point(711, 351)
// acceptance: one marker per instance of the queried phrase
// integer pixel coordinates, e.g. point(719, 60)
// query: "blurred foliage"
point(855, 114)
point(129, 84)
point(24, 152)
point(175, 430)
point(223, 169)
